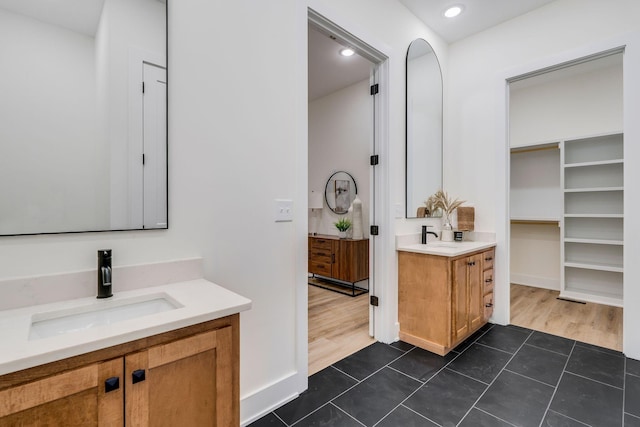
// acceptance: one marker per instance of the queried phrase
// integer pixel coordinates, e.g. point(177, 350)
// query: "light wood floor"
point(338, 327)
point(538, 309)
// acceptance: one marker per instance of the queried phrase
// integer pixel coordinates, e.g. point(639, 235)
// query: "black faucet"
point(425, 232)
point(104, 273)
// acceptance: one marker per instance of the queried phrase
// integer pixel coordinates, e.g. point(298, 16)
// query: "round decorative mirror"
point(340, 191)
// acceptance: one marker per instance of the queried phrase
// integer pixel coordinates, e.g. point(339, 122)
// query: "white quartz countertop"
point(196, 301)
point(446, 249)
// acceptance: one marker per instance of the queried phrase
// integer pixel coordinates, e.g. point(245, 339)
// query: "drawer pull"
point(489, 259)
point(111, 384)
point(471, 263)
point(489, 304)
point(488, 281)
point(137, 376)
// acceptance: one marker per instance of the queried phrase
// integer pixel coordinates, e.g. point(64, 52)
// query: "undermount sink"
point(98, 313)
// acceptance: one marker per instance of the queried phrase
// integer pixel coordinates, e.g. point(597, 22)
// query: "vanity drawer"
point(319, 267)
point(488, 306)
point(487, 280)
point(487, 259)
point(321, 244)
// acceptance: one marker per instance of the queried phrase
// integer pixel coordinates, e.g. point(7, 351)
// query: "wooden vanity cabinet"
point(184, 377)
point(342, 259)
point(441, 300)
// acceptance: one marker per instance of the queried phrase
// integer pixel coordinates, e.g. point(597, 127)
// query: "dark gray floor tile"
point(478, 418)
point(328, 416)
point(376, 396)
point(504, 338)
point(553, 419)
point(401, 345)
point(588, 401)
point(323, 386)
point(402, 416)
point(632, 395)
point(516, 399)
point(421, 364)
point(368, 360)
point(597, 365)
point(631, 421)
point(598, 348)
point(539, 364)
point(446, 398)
point(551, 342)
point(268, 420)
point(467, 343)
point(519, 328)
point(480, 362)
point(633, 367)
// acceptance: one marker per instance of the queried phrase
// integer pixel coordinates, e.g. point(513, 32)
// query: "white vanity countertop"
point(446, 249)
point(198, 301)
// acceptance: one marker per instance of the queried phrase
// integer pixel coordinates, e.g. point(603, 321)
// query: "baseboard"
point(269, 398)
point(536, 281)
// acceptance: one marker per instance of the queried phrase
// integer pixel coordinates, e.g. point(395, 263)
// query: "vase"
point(356, 218)
point(342, 234)
point(447, 232)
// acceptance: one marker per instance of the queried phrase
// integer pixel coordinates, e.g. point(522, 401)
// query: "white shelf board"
point(534, 219)
point(574, 215)
point(599, 267)
point(598, 163)
point(600, 298)
point(592, 189)
point(594, 241)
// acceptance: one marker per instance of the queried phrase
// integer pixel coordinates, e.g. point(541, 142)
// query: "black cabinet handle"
point(471, 263)
point(111, 384)
point(489, 304)
point(488, 281)
point(137, 376)
point(488, 259)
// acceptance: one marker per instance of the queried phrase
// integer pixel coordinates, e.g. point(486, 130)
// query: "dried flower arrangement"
point(441, 200)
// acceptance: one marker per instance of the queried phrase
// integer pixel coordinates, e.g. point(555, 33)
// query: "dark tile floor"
point(501, 376)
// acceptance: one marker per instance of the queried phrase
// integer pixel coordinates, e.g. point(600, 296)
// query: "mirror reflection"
point(424, 129)
point(83, 141)
point(340, 191)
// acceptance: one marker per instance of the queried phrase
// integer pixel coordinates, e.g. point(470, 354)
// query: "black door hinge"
point(142, 87)
point(374, 89)
point(143, 158)
point(374, 230)
point(373, 300)
point(374, 160)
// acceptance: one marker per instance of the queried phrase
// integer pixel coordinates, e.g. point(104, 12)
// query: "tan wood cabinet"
point(442, 300)
point(341, 259)
point(184, 377)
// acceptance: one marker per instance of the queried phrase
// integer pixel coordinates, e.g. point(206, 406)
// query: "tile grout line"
point(546, 349)
point(566, 416)
point(532, 379)
point(496, 377)
point(283, 421)
point(555, 389)
point(431, 377)
point(467, 376)
point(596, 381)
point(493, 416)
point(346, 413)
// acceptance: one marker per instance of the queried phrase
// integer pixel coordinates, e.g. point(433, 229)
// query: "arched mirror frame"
point(418, 161)
point(332, 187)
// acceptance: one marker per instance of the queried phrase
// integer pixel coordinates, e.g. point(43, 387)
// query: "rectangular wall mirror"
point(83, 140)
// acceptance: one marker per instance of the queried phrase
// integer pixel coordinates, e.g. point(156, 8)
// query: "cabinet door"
point(186, 382)
point(73, 398)
point(460, 299)
point(474, 280)
point(351, 260)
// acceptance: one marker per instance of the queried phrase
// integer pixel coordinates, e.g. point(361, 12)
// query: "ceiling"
point(477, 15)
point(329, 72)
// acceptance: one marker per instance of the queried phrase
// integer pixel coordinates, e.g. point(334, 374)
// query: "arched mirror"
point(424, 128)
point(340, 191)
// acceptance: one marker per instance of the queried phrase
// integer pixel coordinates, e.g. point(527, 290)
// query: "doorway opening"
point(566, 192)
point(342, 186)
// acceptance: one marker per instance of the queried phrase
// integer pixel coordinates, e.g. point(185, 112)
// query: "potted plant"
point(343, 225)
point(442, 201)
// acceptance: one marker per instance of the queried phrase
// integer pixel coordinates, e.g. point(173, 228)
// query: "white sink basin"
point(99, 313)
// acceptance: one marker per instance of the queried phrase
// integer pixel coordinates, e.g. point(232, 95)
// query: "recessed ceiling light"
point(453, 11)
point(347, 52)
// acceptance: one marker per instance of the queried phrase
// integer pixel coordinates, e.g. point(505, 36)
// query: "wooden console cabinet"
point(344, 260)
point(443, 300)
point(185, 377)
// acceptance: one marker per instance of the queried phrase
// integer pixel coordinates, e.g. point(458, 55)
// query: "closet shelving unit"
point(593, 218)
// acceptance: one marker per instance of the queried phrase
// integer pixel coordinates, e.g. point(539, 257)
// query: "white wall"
point(48, 130)
point(341, 139)
point(474, 124)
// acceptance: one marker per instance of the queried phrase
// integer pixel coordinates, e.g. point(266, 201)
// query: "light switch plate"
point(284, 210)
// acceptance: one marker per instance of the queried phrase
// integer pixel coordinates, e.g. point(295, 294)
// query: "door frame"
point(377, 53)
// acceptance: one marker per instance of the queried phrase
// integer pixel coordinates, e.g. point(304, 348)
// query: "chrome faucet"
point(104, 273)
point(425, 232)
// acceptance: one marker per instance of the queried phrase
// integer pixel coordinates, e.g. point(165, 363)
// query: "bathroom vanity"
point(175, 365)
point(445, 292)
